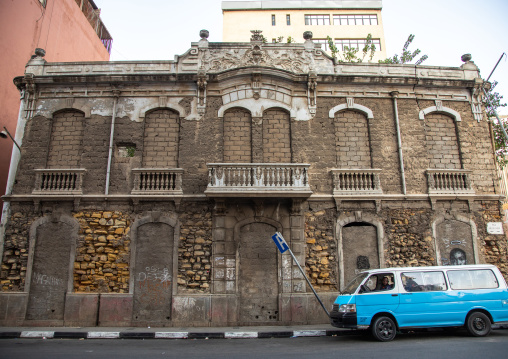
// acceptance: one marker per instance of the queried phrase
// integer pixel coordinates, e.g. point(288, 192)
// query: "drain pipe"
point(394, 95)
point(116, 94)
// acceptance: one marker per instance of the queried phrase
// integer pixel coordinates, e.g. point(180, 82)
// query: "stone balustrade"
point(59, 181)
point(441, 181)
point(356, 182)
point(157, 181)
point(290, 178)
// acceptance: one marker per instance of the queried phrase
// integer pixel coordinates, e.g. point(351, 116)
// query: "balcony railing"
point(157, 181)
point(59, 181)
point(258, 178)
point(353, 182)
point(449, 182)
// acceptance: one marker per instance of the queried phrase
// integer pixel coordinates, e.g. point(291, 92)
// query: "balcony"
point(157, 181)
point(449, 181)
point(355, 182)
point(258, 180)
point(59, 181)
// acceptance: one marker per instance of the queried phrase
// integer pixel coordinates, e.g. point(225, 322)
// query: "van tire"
point(384, 329)
point(478, 324)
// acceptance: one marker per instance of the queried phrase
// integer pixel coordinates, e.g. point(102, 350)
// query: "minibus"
point(387, 300)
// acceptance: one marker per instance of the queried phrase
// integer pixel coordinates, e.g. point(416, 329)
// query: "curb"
point(34, 334)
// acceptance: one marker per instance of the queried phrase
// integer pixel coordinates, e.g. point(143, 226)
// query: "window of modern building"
point(323, 42)
point(355, 20)
point(356, 43)
point(317, 19)
point(273, 20)
point(288, 19)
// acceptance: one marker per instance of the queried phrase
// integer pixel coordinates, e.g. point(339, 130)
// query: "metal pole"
point(13, 140)
point(308, 282)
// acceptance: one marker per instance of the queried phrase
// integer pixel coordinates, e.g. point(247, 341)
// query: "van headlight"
point(347, 308)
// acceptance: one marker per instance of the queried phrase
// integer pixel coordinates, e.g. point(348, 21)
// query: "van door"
point(379, 293)
point(424, 300)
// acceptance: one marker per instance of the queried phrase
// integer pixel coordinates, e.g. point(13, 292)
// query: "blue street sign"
point(280, 242)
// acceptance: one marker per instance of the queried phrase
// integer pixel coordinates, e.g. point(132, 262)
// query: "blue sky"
point(444, 29)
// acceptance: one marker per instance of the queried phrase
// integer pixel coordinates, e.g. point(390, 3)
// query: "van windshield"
point(355, 282)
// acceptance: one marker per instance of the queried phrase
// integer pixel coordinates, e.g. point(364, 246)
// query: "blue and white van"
point(388, 299)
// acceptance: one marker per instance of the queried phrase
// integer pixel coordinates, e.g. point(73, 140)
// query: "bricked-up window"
point(355, 43)
point(65, 146)
point(355, 20)
point(160, 149)
point(441, 140)
point(273, 20)
point(276, 137)
point(317, 19)
point(352, 140)
point(237, 136)
point(288, 19)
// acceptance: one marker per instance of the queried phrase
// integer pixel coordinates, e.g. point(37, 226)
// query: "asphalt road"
point(433, 345)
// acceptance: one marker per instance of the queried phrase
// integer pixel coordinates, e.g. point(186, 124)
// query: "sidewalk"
point(173, 332)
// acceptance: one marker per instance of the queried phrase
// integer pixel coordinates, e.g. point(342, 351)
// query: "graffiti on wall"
point(153, 285)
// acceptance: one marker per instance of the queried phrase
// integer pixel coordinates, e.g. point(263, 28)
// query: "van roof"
point(430, 268)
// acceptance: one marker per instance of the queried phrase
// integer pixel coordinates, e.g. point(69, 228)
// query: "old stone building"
point(147, 192)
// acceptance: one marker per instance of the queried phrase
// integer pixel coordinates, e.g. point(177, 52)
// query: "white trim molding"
point(445, 110)
point(363, 109)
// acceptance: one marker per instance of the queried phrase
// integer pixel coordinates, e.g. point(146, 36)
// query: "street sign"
point(280, 242)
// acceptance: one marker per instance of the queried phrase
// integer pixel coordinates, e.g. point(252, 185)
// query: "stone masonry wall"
point(102, 254)
point(493, 248)
point(66, 140)
point(15, 255)
point(195, 249)
point(321, 264)
point(237, 136)
point(409, 240)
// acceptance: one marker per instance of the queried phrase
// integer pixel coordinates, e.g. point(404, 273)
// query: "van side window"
point(380, 282)
point(423, 281)
point(472, 279)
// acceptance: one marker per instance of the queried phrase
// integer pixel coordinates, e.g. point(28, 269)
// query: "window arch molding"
point(444, 110)
point(256, 108)
point(360, 108)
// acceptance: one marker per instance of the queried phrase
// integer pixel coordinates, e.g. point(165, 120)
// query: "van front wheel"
point(384, 329)
point(478, 324)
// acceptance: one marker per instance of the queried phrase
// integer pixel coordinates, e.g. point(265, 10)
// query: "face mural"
point(458, 257)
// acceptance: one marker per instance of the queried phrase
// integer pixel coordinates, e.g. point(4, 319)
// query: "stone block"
point(81, 309)
point(115, 310)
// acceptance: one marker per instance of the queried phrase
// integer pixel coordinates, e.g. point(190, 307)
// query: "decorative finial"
point(466, 57)
point(40, 52)
point(256, 35)
point(204, 34)
point(307, 35)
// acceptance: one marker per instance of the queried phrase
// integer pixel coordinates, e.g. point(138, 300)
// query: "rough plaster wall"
point(153, 277)
point(414, 147)
point(201, 142)
point(66, 140)
point(441, 140)
point(34, 153)
point(237, 136)
point(95, 154)
point(258, 279)
point(50, 271)
point(127, 134)
point(352, 138)
point(160, 148)
point(276, 137)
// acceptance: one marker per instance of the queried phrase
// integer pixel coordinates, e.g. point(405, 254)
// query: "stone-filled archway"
point(154, 259)
point(52, 250)
point(258, 274)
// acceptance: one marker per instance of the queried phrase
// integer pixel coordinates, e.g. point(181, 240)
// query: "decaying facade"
point(147, 192)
